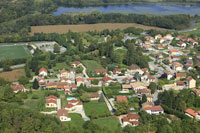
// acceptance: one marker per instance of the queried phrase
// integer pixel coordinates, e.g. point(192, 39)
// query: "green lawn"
point(110, 123)
point(60, 66)
point(92, 65)
point(76, 120)
point(99, 107)
point(13, 52)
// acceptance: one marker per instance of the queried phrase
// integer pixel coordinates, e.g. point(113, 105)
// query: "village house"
point(174, 52)
point(76, 64)
point(198, 58)
point(147, 48)
point(182, 44)
point(18, 88)
point(101, 71)
point(107, 80)
point(79, 81)
point(73, 105)
point(158, 36)
point(163, 40)
point(147, 104)
point(51, 101)
point(169, 37)
point(64, 74)
point(62, 115)
point(66, 80)
point(149, 98)
point(177, 66)
point(168, 75)
point(41, 81)
point(160, 46)
point(121, 99)
point(126, 88)
point(131, 119)
point(145, 91)
point(154, 109)
point(93, 96)
point(133, 69)
point(191, 113)
point(180, 83)
point(196, 91)
point(67, 90)
point(56, 85)
point(117, 71)
point(180, 76)
point(191, 83)
point(193, 42)
point(43, 72)
point(138, 85)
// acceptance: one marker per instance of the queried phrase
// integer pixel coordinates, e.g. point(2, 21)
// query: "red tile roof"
point(121, 98)
point(101, 70)
point(62, 112)
point(17, 87)
point(190, 112)
point(76, 63)
point(153, 108)
point(181, 75)
point(51, 101)
point(51, 97)
point(106, 78)
point(43, 69)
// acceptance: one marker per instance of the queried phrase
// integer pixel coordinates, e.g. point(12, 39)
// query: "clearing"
point(12, 75)
point(92, 65)
point(14, 52)
point(100, 108)
point(87, 27)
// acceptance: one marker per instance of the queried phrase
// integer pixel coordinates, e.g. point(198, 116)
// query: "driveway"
point(58, 103)
point(80, 110)
point(84, 70)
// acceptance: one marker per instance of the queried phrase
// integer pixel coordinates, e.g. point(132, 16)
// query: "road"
point(14, 67)
point(58, 103)
point(110, 108)
point(84, 70)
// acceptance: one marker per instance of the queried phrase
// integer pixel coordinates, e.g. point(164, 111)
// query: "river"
point(139, 8)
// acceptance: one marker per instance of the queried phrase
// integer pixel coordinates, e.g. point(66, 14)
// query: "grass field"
point(12, 75)
point(87, 27)
point(13, 52)
point(92, 65)
point(76, 119)
point(110, 123)
point(99, 107)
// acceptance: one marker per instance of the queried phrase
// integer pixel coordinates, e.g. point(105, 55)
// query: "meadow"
point(87, 27)
point(12, 75)
point(92, 65)
point(13, 52)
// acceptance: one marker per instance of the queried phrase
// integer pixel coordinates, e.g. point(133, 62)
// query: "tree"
point(152, 87)
point(8, 94)
point(56, 48)
point(23, 80)
point(160, 83)
point(144, 99)
point(85, 97)
point(35, 84)
point(95, 82)
point(93, 114)
point(122, 107)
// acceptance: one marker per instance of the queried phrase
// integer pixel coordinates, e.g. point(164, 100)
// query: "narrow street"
point(84, 70)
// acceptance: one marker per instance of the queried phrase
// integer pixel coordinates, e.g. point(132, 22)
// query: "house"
point(169, 75)
point(180, 83)
point(79, 81)
point(64, 73)
point(126, 87)
point(101, 71)
point(43, 72)
point(147, 48)
point(138, 85)
point(196, 91)
point(163, 39)
point(106, 80)
point(149, 98)
point(117, 71)
point(94, 96)
point(75, 64)
point(51, 101)
point(73, 105)
point(160, 46)
point(169, 37)
point(191, 113)
point(182, 44)
point(18, 88)
point(158, 36)
point(193, 42)
point(191, 83)
point(121, 99)
point(180, 76)
point(41, 81)
point(67, 90)
point(147, 104)
point(131, 119)
point(62, 115)
point(145, 91)
point(133, 69)
point(177, 66)
point(174, 52)
point(154, 109)
point(198, 58)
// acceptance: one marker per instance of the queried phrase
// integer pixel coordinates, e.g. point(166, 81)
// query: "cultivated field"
point(87, 27)
point(13, 52)
point(12, 75)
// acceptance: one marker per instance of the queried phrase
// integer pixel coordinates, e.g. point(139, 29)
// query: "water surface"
point(140, 8)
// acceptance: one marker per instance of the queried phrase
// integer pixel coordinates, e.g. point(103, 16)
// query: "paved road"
point(82, 112)
point(58, 103)
point(49, 113)
point(15, 66)
point(84, 70)
point(110, 108)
